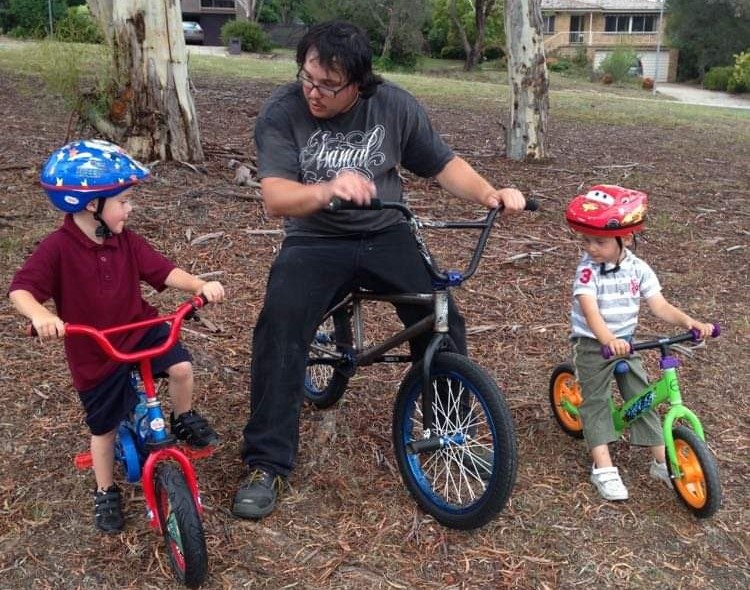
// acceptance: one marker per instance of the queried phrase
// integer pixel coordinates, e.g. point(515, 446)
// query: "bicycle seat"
point(622, 367)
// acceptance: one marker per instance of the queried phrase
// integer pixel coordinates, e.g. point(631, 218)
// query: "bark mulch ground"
point(346, 520)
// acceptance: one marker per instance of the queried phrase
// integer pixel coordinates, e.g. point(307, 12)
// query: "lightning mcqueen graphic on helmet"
point(608, 210)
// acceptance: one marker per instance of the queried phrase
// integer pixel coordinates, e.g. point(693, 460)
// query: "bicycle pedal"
point(83, 460)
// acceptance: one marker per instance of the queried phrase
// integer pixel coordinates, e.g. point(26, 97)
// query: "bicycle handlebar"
point(102, 336)
point(485, 225)
point(693, 335)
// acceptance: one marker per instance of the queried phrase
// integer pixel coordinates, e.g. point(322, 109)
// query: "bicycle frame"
point(437, 321)
point(159, 446)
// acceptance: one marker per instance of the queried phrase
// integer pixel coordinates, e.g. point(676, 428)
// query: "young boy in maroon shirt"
point(91, 267)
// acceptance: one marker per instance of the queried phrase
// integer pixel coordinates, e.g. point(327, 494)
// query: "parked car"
point(193, 32)
point(636, 69)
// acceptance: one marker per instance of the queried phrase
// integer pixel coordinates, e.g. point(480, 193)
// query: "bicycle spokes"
point(458, 469)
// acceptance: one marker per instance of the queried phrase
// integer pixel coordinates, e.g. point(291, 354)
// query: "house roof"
point(602, 5)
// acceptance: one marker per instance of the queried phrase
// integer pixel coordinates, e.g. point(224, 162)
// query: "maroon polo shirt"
point(94, 284)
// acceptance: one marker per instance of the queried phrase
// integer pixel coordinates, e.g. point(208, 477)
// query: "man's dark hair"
point(343, 47)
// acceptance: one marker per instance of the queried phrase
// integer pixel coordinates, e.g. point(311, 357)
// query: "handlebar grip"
point(607, 351)
point(31, 331)
point(339, 204)
point(714, 333)
point(531, 205)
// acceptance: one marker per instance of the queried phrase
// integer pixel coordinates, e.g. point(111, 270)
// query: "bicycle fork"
point(432, 443)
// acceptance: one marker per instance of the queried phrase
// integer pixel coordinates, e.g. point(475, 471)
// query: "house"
point(212, 14)
point(596, 27)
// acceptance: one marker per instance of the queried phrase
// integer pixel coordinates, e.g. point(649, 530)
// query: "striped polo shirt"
point(618, 294)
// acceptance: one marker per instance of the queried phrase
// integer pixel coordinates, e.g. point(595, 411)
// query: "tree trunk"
point(462, 33)
point(473, 51)
point(152, 114)
point(529, 81)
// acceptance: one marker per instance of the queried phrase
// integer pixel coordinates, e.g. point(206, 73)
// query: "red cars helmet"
point(607, 210)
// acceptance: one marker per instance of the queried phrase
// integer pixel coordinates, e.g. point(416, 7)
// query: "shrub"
point(558, 65)
point(30, 18)
point(740, 79)
point(494, 51)
point(618, 63)
point(78, 26)
point(251, 36)
point(452, 52)
point(717, 78)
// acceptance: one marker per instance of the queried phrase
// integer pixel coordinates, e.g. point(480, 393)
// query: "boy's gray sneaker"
point(659, 472)
point(257, 494)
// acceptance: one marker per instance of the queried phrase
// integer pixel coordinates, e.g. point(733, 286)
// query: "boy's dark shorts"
point(108, 403)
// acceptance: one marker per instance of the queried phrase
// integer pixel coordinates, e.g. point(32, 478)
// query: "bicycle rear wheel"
point(467, 480)
point(182, 526)
point(563, 387)
point(328, 372)
point(699, 487)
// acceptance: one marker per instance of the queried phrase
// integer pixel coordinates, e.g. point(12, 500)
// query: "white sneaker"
point(659, 472)
point(608, 483)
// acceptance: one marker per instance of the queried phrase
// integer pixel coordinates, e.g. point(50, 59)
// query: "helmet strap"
point(103, 230)
point(603, 268)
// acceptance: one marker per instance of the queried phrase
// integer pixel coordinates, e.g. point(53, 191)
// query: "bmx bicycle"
point(453, 435)
point(691, 465)
point(146, 451)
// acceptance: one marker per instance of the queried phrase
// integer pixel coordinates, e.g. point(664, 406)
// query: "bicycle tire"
point(181, 526)
point(564, 386)
point(699, 488)
point(325, 383)
point(466, 483)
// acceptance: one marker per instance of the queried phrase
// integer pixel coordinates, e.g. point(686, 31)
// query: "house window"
point(217, 3)
point(630, 23)
point(548, 24)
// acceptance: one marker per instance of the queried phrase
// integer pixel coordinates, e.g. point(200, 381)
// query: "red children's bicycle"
point(149, 453)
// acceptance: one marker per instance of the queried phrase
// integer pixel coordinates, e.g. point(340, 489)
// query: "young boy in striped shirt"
point(610, 282)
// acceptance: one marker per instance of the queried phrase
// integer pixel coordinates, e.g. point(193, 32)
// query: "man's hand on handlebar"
point(511, 199)
point(351, 186)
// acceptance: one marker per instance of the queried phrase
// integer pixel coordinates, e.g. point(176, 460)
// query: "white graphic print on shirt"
point(327, 154)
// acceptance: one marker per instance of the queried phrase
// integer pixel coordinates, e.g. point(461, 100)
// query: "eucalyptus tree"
point(529, 81)
point(152, 113)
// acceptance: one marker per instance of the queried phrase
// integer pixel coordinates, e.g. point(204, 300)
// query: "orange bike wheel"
point(564, 387)
point(698, 486)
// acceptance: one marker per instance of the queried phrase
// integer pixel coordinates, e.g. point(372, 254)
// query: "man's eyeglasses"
point(325, 91)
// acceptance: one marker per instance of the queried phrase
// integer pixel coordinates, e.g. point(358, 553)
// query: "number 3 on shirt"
point(585, 275)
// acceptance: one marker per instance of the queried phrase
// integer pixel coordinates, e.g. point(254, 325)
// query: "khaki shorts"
point(595, 374)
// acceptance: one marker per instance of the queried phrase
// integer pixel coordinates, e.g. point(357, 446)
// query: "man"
point(339, 131)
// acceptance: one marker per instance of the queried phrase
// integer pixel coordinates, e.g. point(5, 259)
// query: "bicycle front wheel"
point(467, 480)
point(698, 486)
point(182, 526)
point(328, 372)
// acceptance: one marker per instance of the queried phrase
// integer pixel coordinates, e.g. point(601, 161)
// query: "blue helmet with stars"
point(88, 169)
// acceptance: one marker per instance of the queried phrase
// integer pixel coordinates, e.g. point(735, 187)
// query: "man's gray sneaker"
point(257, 494)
